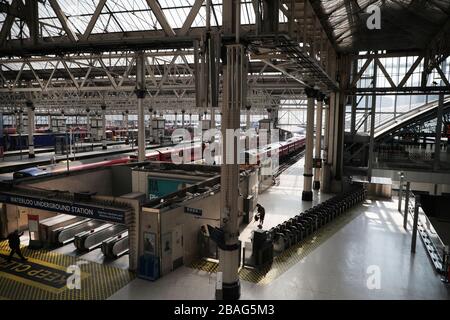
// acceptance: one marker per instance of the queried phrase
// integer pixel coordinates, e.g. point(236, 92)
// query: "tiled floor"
point(337, 269)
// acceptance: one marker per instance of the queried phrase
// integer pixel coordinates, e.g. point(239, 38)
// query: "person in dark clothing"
point(14, 244)
point(261, 214)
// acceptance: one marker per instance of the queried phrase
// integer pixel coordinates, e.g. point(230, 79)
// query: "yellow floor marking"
point(98, 281)
point(288, 258)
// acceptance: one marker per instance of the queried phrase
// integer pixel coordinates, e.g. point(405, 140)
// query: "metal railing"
point(423, 227)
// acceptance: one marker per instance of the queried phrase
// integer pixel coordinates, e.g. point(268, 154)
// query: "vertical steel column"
point(318, 142)
point(400, 191)
point(326, 177)
point(21, 121)
point(150, 112)
point(104, 144)
point(415, 222)
point(405, 215)
point(140, 93)
point(125, 118)
point(182, 118)
point(372, 124)
point(88, 124)
point(332, 138)
point(354, 100)
point(307, 194)
point(437, 147)
point(30, 110)
point(213, 117)
point(248, 122)
point(232, 103)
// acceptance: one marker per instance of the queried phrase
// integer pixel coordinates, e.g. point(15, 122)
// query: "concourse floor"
point(339, 263)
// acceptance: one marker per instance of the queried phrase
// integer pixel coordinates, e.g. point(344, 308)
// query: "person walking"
point(14, 244)
point(261, 215)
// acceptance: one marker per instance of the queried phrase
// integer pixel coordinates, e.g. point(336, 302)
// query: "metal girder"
point(94, 18)
point(14, 9)
point(7, 24)
point(159, 14)
point(190, 18)
point(401, 87)
point(63, 20)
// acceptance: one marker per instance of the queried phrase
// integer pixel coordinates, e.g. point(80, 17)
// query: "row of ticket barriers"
point(266, 244)
point(86, 234)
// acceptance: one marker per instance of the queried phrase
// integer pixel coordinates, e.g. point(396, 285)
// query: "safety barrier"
point(294, 230)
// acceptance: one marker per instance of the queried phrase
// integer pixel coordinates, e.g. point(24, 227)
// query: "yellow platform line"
point(98, 281)
point(288, 258)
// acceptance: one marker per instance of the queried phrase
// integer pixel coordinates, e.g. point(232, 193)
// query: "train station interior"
point(224, 149)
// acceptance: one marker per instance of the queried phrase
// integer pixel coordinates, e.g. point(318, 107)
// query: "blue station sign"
point(76, 209)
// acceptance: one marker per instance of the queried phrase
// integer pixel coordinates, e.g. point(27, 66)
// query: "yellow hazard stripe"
point(288, 258)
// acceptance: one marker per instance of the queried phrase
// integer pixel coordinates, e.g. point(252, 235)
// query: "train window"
point(19, 175)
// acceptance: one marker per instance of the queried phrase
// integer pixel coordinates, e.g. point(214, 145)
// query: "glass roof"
point(123, 16)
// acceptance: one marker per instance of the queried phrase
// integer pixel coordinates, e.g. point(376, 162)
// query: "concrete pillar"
point(318, 142)
point(104, 144)
point(50, 122)
point(307, 194)
point(140, 93)
point(190, 119)
point(30, 110)
point(326, 171)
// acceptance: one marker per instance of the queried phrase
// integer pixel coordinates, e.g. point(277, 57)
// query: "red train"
point(188, 152)
point(282, 149)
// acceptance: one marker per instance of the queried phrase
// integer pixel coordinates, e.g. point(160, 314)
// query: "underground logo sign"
point(44, 275)
point(106, 214)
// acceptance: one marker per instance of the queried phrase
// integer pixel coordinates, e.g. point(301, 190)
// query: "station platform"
point(16, 163)
point(334, 264)
point(44, 277)
point(24, 151)
point(284, 201)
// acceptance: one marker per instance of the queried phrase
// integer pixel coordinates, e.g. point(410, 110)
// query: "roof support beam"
point(8, 23)
point(10, 9)
point(410, 71)
point(94, 19)
point(386, 74)
point(190, 18)
point(64, 21)
point(361, 72)
point(159, 14)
